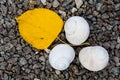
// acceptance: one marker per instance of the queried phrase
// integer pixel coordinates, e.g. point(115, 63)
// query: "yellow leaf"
point(39, 27)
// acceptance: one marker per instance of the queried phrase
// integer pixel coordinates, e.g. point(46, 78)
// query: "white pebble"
point(55, 3)
point(43, 2)
point(61, 56)
point(94, 58)
point(76, 30)
point(78, 3)
point(73, 10)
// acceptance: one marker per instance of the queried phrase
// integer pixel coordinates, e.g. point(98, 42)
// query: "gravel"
point(55, 3)
point(23, 61)
point(20, 61)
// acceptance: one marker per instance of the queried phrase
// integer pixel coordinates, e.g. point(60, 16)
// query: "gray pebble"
point(116, 70)
point(3, 9)
point(6, 77)
point(118, 46)
point(1, 59)
point(117, 6)
point(99, 5)
point(118, 13)
point(23, 61)
point(105, 16)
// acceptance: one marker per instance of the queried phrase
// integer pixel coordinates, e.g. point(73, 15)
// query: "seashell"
point(94, 58)
point(61, 56)
point(76, 30)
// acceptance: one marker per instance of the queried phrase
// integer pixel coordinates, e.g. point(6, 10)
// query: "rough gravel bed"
point(20, 61)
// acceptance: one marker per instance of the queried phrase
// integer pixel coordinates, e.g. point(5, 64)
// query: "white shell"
point(76, 30)
point(94, 58)
point(61, 56)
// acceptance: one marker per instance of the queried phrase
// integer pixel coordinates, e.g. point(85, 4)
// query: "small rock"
point(105, 16)
point(62, 13)
point(117, 6)
point(95, 13)
point(55, 3)
point(38, 65)
point(73, 10)
point(91, 1)
point(75, 70)
point(118, 46)
point(18, 47)
point(1, 59)
point(116, 59)
point(99, 5)
point(6, 77)
point(57, 72)
point(36, 79)
point(115, 71)
point(27, 70)
point(23, 61)
point(106, 45)
point(42, 58)
point(3, 65)
point(48, 5)
point(78, 3)
point(19, 11)
point(26, 50)
point(47, 50)
point(43, 2)
point(3, 9)
point(109, 27)
point(118, 40)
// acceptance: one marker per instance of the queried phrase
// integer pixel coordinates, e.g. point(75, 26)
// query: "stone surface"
point(20, 61)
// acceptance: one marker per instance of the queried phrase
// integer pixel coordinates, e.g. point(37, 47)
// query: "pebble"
point(48, 5)
point(99, 5)
point(118, 13)
point(78, 3)
point(43, 2)
point(118, 46)
point(73, 10)
point(118, 40)
point(1, 59)
point(23, 61)
point(36, 79)
point(117, 60)
point(91, 1)
point(117, 6)
point(42, 58)
point(3, 9)
point(55, 3)
point(62, 13)
point(38, 65)
point(115, 71)
point(6, 77)
point(57, 72)
point(105, 16)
